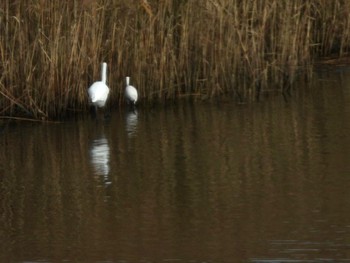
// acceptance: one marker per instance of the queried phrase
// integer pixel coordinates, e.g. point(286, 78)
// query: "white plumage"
point(130, 92)
point(98, 91)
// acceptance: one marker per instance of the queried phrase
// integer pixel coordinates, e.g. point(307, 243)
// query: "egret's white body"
point(130, 92)
point(98, 91)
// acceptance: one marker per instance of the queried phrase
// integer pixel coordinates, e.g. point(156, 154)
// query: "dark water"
point(208, 182)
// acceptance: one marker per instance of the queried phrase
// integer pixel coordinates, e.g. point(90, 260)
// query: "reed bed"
point(51, 51)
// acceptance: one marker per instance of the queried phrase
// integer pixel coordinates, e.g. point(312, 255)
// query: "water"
point(262, 182)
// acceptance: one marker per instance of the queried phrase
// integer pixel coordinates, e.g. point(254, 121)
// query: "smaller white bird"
point(98, 91)
point(130, 92)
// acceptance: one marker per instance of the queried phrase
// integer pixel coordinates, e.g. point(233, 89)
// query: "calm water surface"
point(208, 182)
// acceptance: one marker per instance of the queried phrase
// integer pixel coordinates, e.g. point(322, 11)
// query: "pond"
point(215, 181)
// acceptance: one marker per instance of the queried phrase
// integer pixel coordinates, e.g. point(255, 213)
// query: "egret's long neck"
point(104, 72)
point(127, 81)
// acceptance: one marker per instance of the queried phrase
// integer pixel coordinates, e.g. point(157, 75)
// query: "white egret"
point(130, 92)
point(98, 91)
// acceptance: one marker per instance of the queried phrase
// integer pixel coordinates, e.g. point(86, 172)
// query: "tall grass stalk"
point(50, 51)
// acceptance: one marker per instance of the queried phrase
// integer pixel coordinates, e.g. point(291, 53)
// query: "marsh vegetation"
point(51, 51)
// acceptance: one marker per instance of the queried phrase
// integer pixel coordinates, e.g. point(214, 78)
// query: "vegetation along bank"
point(51, 51)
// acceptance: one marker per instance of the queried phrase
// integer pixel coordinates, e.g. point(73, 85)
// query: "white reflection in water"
point(131, 122)
point(99, 154)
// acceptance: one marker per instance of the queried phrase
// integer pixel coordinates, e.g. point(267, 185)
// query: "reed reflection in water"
point(262, 182)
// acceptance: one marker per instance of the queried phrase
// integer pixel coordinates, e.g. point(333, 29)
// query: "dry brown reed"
point(50, 51)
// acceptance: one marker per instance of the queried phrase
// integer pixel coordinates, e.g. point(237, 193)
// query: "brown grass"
point(50, 51)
